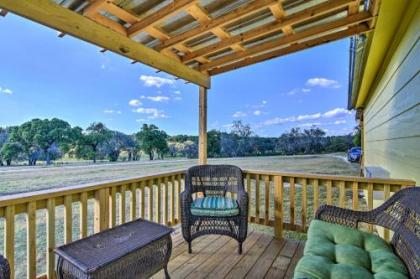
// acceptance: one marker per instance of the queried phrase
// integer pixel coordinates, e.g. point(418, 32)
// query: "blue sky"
point(43, 76)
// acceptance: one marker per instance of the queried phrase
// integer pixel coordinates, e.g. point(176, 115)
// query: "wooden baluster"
point(267, 200)
point(50, 238)
point(370, 202)
point(342, 194)
point(68, 219)
point(101, 210)
point(172, 203)
point(83, 215)
point(165, 200)
point(113, 207)
point(316, 195)
point(178, 197)
point(123, 218)
point(304, 204)
point(159, 200)
point(278, 207)
point(133, 204)
point(329, 192)
point(151, 202)
point(355, 190)
point(257, 198)
point(248, 189)
point(387, 194)
point(31, 239)
point(292, 193)
point(142, 206)
point(10, 238)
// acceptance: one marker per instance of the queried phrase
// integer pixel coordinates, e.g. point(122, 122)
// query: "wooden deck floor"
point(216, 257)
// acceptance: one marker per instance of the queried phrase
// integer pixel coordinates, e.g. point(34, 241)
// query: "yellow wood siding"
point(392, 113)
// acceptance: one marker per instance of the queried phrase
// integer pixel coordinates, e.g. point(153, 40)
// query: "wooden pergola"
point(196, 39)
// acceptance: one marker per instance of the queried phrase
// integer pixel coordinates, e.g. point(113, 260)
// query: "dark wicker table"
point(137, 249)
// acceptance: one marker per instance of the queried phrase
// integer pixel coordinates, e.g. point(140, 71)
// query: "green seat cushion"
point(215, 206)
point(338, 252)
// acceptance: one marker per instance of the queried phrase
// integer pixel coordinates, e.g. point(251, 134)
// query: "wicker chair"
point(4, 268)
point(214, 181)
point(400, 213)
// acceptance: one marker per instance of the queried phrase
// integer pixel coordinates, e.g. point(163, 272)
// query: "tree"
point(213, 143)
point(97, 133)
point(48, 133)
point(116, 143)
point(357, 136)
point(25, 134)
point(4, 135)
point(152, 140)
point(10, 151)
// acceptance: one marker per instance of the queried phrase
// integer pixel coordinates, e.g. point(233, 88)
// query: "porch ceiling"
point(195, 39)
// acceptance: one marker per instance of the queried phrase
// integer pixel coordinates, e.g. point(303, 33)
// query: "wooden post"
point(278, 207)
point(202, 127)
point(101, 217)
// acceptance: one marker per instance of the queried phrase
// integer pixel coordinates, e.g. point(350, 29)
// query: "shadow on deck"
point(216, 257)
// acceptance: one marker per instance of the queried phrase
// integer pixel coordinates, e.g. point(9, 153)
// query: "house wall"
point(392, 112)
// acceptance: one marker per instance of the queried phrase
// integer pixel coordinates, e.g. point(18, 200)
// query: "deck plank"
point(217, 257)
point(194, 263)
point(298, 254)
point(227, 264)
point(264, 263)
point(242, 267)
point(226, 252)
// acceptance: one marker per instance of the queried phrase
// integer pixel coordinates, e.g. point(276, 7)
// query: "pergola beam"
point(202, 126)
point(291, 39)
point(167, 11)
point(268, 28)
point(53, 15)
point(291, 49)
point(237, 14)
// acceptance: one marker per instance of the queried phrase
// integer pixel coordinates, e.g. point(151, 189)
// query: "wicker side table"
point(137, 249)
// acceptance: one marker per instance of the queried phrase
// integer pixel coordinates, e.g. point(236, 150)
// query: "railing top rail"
point(24, 197)
point(392, 181)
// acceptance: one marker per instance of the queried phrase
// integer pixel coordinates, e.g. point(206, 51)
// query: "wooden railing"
point(38, 222)
point(288, 201)
point(70, 213)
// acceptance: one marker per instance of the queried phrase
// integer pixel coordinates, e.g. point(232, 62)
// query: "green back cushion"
point(215, 206)
point(337, 252)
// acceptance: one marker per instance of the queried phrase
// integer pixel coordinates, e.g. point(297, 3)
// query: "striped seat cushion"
point(214, 206)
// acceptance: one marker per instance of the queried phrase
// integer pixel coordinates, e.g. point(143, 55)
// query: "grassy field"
point(23, 179)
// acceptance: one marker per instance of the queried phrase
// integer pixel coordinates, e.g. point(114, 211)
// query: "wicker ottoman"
point(137, 249)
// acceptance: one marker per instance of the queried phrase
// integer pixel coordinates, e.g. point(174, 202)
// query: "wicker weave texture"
point(400, 213)
point(214, 180)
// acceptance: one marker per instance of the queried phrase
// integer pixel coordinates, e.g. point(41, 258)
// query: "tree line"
point(51, 139)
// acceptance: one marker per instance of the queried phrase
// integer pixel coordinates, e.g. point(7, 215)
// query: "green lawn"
point(20, 179)
point(23, 179)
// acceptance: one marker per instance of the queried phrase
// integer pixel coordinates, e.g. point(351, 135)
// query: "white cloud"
point(264, 102)
point(337, 112)
point(177, 92)
point(111, 111)
point(158, 98)
point(158, 82)
point(338, 122)
point(6, 91)
point(334, 113)
point(153, 113)
point(257, 112)
point(323, 82)
point(239, 114)
point(134, 103)
point(177, 98)
point(306, 90)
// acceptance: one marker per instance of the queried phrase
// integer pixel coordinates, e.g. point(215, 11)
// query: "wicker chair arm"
point(4, 268)
point(341, 216)
point(186, 198)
